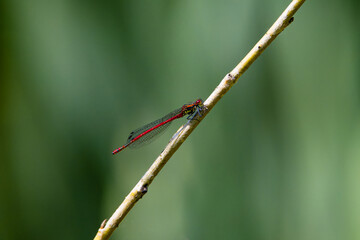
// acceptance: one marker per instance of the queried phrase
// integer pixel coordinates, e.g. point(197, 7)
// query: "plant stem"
point(107, 228)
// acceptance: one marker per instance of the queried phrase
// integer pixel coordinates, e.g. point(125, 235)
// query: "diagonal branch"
point(228, 81)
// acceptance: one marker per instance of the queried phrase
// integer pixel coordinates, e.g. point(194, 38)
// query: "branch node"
point(144, 189)
point(103, 224)
point(291, 20)
point(232, 77)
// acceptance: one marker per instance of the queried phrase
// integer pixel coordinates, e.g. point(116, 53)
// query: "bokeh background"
point(277, 158)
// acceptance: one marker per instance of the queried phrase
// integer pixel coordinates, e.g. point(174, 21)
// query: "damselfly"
point(144, 134)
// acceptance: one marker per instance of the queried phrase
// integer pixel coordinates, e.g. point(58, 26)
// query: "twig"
point(228, 81)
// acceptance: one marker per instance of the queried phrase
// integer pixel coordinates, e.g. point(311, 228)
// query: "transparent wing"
point(150, 136)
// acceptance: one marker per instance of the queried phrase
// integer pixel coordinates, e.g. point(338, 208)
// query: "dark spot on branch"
point(291, 20)
point(144, 189)
point(232, 78)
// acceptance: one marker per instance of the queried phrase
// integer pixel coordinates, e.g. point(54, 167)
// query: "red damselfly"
point(144, 134)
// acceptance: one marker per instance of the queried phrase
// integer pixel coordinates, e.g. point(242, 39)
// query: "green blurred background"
point(277, 158)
